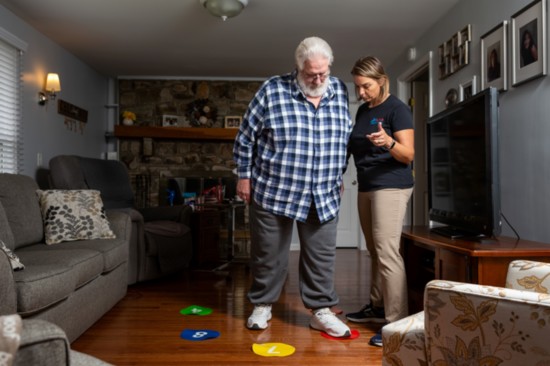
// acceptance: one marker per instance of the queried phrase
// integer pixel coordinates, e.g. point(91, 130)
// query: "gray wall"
point(524, 123)
point(524, 116)
point(44, 130)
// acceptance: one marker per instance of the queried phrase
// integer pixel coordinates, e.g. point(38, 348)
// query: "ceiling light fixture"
point(224, 8)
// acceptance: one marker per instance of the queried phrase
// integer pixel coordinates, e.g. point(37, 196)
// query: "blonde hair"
point(312, 46)
point(371, 67)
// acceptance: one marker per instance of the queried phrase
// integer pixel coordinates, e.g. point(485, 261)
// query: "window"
point(10, 103)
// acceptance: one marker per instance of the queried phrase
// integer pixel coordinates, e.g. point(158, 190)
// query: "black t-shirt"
point(376, 168)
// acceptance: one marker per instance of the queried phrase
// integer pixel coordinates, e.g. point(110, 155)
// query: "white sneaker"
point(325, 320)
point(260, 316)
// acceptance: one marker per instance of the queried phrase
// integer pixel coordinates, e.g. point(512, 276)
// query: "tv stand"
point(451, 232)
point(430, 256)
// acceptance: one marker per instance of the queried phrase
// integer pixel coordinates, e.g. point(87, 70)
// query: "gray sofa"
point(161, 239)
point(71, 284)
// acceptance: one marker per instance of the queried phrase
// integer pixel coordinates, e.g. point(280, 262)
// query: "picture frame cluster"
point(454, 54)
point(527, 31)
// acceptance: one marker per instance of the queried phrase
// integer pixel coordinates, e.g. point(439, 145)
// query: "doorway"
point(415, 85)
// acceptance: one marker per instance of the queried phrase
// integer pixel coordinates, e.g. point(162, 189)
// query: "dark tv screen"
point(463, 174)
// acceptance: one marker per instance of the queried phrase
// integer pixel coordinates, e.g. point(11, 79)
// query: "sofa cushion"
point(52, 274)
point(42, 285)
point(71, 215)
point(17, 195)
point(87, 263)
point(113, 252)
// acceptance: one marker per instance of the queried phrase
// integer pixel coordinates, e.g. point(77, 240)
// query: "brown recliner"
point(161, 241)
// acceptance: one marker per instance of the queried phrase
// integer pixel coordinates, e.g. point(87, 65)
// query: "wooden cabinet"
point(431, 256)
point(206, 237)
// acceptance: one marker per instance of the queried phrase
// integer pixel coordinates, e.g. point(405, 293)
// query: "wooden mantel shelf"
point(187, 133)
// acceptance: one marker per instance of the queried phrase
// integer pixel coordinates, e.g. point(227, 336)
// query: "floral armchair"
point(468, 324)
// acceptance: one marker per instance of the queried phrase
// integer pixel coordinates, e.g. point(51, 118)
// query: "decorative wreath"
point(202, 113)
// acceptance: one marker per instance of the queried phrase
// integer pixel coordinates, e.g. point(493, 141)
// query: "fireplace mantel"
point(181, 133)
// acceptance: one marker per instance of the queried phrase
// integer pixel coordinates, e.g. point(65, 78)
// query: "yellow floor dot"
point(273, 349)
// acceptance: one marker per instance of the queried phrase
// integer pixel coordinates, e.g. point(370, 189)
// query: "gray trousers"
point(271, 237)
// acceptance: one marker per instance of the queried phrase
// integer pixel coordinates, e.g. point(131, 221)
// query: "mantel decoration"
point(202, 112)
point(128, 118)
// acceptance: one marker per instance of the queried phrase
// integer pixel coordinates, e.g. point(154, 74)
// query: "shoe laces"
point(261, 309)
point(366, 308)
point(324, 312)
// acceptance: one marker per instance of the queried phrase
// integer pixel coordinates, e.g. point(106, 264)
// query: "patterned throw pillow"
point(14, 260)
point(73, 215)
point(10, 337)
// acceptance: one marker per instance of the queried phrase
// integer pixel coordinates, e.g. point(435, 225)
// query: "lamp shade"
point(224, 8)
point(52, 83)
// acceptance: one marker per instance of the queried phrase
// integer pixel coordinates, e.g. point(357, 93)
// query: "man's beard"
point(317, 91)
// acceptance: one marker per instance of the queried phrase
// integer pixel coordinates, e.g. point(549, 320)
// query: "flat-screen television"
point(463, 174)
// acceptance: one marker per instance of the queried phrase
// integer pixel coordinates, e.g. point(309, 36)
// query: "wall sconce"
point(53, 86)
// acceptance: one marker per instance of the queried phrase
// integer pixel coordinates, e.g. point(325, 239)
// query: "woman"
point(382, 145)
point(529, 53)
point(494, 66)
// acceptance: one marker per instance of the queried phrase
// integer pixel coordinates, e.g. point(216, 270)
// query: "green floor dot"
point(195, 310)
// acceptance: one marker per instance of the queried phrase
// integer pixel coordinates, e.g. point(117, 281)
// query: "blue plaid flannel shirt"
point(293, 152)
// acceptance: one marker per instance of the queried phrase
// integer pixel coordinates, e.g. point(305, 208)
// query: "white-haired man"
point(290, 154)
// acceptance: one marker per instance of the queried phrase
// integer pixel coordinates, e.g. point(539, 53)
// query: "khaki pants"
point(381, 214)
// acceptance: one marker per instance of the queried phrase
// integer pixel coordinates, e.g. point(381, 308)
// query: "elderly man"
point(290, 154)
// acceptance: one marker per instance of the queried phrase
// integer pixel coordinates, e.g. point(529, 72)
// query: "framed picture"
point(493, 58)
point(233, 121)
point(467, 89)
point(169, 120)
point(529, 42)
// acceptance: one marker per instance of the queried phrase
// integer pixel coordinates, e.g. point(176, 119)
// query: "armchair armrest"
point(42, 343)
point(475, 323)
point(8, 295)
point(529, 276)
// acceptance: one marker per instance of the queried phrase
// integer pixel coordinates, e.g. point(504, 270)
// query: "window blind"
point(10, 108)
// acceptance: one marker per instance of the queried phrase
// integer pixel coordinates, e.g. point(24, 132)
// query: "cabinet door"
point(420, 269)
point(454, 266)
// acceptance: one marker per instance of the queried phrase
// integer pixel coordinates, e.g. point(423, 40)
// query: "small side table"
point(228, 210)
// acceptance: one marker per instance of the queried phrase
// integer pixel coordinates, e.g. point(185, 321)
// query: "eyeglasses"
point(313, 77)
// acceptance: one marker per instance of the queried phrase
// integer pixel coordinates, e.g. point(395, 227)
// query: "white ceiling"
point(180, 38)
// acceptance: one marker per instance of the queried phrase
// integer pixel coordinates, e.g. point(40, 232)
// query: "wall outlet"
point(38, 160)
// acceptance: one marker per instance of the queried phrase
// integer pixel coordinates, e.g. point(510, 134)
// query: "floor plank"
point(144, 328)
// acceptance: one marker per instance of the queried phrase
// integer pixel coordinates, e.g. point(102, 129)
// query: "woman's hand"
point(380, 138)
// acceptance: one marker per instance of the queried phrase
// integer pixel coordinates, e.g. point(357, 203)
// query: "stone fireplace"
point(152, 161)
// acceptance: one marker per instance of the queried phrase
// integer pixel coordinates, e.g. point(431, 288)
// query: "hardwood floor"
point(144, 328)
